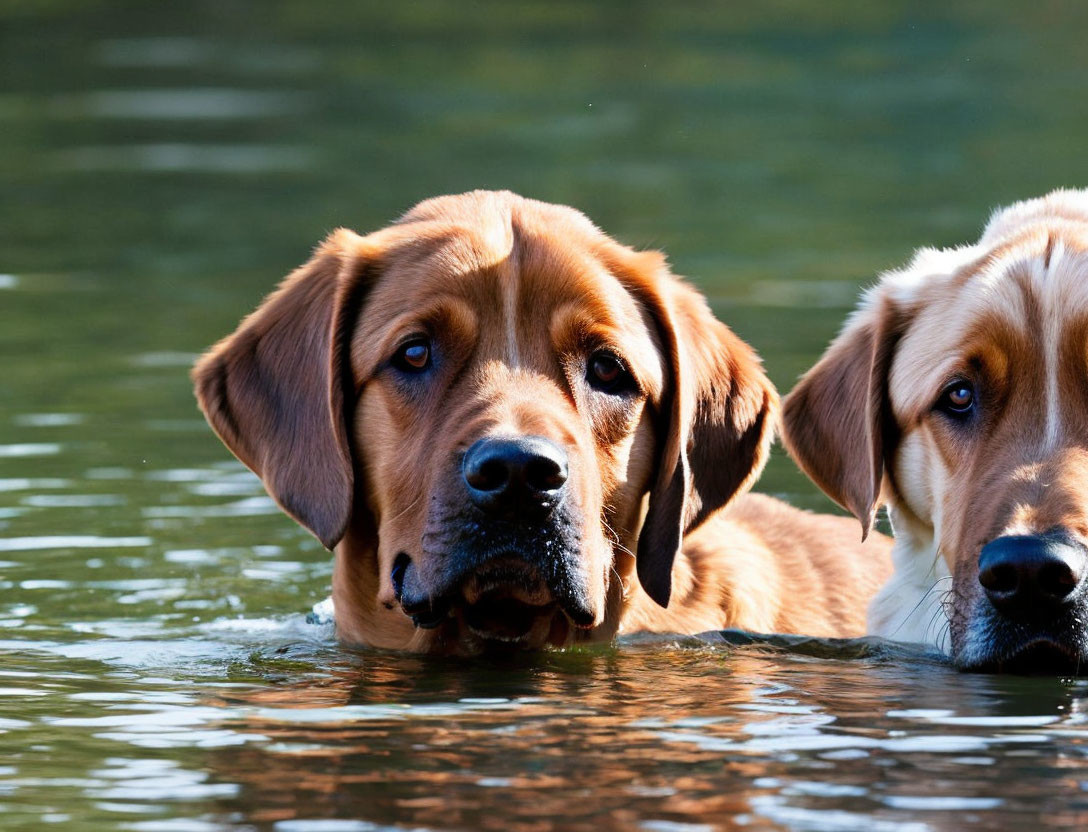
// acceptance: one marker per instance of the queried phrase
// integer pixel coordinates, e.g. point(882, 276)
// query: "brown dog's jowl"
point(956, 394)
point(499, 417)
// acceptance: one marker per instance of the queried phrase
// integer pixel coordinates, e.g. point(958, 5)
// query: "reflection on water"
point(228, 159)
point(162, 166)
point(158, 104)
point(282, 726)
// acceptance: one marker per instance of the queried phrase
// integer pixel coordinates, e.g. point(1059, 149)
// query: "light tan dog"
point(498, 415)
point(957, 394)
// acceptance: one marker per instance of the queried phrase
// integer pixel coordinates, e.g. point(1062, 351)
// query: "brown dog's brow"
point(382, 327)
point(506, 301)
point(574, 331)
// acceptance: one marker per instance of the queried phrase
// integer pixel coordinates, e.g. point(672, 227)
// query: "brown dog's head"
point(472, 405)
point(958, 394)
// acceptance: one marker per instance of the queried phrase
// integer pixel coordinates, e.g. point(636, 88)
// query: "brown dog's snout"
point(517, 476)
point(1025, 575)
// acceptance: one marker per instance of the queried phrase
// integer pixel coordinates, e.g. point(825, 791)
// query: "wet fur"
point(516, 293)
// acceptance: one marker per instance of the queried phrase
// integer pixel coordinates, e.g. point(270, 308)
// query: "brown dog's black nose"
point(513, 474)
point(1023, 574)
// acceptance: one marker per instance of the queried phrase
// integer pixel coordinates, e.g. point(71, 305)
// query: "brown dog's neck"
point(360, 617)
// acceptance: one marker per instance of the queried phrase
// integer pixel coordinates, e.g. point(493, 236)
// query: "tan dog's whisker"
point(917, 606)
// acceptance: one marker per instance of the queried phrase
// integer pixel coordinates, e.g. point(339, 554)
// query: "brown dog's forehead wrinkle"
point(388, 321)
point(482, 208)
point(493, 397)
point(500, 254)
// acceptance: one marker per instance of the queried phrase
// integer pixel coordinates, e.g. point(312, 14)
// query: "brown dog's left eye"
point(606, 373)
point(413, 356)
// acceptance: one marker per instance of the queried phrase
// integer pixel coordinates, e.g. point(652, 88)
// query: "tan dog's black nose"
point(1026, 574)
point(515, 475)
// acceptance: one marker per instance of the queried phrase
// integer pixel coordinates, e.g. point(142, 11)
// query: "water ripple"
point(158, 158)
point(21, 449)
point(180, 104)
point(70, 541)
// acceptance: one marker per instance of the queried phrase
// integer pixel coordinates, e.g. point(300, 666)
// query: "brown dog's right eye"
point(413, 356)
point(606, 373)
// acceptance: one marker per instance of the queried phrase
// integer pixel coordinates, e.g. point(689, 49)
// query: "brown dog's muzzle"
point(516, 478)
point(505, 563)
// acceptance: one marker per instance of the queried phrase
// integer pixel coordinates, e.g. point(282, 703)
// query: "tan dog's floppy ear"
point(836, 421)
point(275, 390)
point(718, 416)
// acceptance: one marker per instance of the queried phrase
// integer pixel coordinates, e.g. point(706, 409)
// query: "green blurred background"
point(162, 165)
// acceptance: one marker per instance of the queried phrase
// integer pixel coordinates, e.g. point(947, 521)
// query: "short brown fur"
point(514, 294)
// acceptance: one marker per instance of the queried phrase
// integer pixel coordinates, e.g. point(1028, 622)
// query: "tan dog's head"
point(958, 393)
point(472, 405)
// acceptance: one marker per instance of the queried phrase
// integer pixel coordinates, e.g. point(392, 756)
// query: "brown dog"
point(497, 415)
point(957, 395)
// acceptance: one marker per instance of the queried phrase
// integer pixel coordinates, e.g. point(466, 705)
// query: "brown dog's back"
point(765, 566)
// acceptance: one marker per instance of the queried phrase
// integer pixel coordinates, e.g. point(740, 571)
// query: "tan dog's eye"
point(413, 356)
point(606, 373)
point(957, 399)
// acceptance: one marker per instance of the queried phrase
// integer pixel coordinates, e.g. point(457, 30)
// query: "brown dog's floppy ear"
point(718, 418)
point(837, 423)
point(274, 391)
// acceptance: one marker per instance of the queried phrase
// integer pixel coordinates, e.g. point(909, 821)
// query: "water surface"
point(161, 166)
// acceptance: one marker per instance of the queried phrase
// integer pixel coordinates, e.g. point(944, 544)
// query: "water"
point(161, 166)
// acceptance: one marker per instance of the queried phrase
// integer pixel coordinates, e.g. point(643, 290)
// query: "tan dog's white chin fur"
point(909, 606)
point(1009, 315)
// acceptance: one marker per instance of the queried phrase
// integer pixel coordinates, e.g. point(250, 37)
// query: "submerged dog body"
point(957, 394)
point(499, 416)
